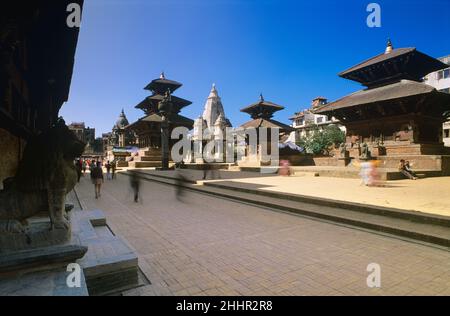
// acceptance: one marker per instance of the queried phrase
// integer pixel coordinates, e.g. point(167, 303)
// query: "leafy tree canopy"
point(320, 141)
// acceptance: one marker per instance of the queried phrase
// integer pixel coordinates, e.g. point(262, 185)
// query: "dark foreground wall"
point(37, 51)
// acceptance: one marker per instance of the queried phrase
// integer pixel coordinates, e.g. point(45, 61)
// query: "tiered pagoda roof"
point(262, 109)
point(150, 104)
point(393, 65)
point(261, 113)
point(159, 87)
point(394, 86)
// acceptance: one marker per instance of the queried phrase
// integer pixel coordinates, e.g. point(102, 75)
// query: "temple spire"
point(261, 98)
point(162, 76)
point(213, 93)
point(389, 47)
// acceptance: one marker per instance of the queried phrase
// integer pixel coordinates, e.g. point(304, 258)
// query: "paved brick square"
point(203, 245)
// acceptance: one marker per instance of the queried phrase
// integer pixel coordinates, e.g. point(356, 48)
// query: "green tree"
point(320, 141)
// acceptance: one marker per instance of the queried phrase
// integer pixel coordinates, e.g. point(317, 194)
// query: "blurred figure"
point(83, 167)
point(285, 168)
point(79, 169)
point(369, 173)
point(92, 166)
point(135, 183)
point(365, 171)
point(113, 169)
point(179, 185)
point(374, 175)
point(97, 179)
point(213, 173)
point(208, 169)
point(108, 170)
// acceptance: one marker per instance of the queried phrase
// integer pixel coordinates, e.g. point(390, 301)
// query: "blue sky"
point(291, 51)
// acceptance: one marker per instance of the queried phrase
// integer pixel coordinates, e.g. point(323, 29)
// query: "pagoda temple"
point(148, 128)
point(261, 113)
point(396, 115)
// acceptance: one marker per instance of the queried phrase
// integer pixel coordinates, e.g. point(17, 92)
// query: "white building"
point(305, 120)
point(213, 119)
point(441, 81)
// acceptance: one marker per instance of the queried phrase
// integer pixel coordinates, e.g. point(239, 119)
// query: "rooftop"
point(401, 89)
point(152, 102)
point(267, 123)
point(161, 85)
point(262, 108)
point(393, 65)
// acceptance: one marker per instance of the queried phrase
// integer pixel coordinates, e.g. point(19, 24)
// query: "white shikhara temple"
point(213, 120)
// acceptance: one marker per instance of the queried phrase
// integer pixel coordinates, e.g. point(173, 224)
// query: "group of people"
point(96, 172)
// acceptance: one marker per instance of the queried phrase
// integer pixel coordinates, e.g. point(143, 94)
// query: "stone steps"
point(145, 164)
point(149, 158)
point(343, 172)
point(152, 152)
point(417, 226)
point(110, 264)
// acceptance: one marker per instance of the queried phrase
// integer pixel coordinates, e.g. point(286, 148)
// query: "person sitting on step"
point(405, 169)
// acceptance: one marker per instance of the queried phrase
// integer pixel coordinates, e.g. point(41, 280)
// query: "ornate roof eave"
point(395, 64)
point(263, 104)
point(269, 123)
point(396, 94)
point(152, 102)
point(162, 85)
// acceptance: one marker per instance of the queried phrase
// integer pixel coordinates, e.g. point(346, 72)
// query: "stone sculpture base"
point(108, 264)
point(44, 258)
point(36, 235)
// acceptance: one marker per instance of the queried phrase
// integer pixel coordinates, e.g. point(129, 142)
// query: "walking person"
point(365, 172)
point(83, 167)
point(135, 183)
point(97, 179)
point(180, 181)
point(108, 170)
point(208, 169)
point(92, 165)
point(113, 169)
point(79, 168)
